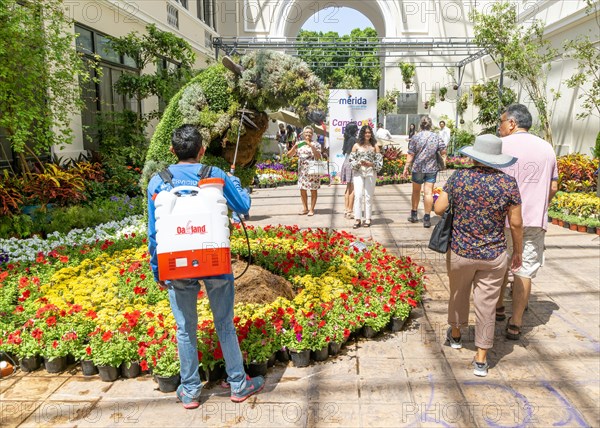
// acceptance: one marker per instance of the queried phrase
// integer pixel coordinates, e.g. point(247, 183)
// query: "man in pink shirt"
point(536, 173)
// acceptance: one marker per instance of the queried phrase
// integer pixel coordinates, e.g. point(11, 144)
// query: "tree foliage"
point(153, 47)
point(486, 96)
point(39, 68)
point(526, 55)
point(347, 62)
point(586, 52)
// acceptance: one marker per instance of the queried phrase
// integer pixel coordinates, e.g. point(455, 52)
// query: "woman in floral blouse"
point(482, 197)
point(366, 161)
point(307, 150)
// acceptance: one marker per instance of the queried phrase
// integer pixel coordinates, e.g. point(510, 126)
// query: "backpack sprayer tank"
point(192, 231)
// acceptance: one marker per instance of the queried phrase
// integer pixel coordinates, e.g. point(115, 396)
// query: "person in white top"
point(444, 133)
point(382, 133)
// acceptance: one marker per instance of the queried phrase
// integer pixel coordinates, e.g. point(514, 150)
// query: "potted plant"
point(293, 340)
point(27, 345)
point(443, 92)
point(408, 72)
point(108, 350)
point(164, 361)
point(432, 100)
point(399, 313)
point(55, 355)
point(257, 344)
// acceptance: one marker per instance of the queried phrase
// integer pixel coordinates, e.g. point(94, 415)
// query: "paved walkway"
point(549, 378)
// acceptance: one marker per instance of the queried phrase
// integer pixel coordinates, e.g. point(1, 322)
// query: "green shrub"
point(462, 138)
point(64, 219)
point(576, 173)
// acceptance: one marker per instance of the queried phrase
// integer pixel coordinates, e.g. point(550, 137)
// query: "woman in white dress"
point(366, 161)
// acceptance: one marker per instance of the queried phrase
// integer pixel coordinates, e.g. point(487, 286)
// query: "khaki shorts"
point(533, 250)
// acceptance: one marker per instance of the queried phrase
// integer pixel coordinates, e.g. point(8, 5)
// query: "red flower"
point(74, 309)
point(140, 291)
point(144, 365)
point(88, 350)
point(91, 314)
point(106, 336)
point(54, 344)
point(151, 331)
point(218, 354)
point(64, 259)
point(24, 296)
point(37, 334)
point(51, 321)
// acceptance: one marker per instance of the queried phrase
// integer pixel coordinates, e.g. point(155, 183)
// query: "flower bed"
point(98, 300)
point(579, 209)
point(457, 162)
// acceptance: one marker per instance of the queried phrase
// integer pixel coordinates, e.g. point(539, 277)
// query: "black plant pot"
point(271, 360)
point(56, 365)
point(168, 383)
point(369, 332)
point(108, 373)
point(212, 375)
point(130, 370)
point(591, 229)
point(30, 364)
point(88, 368)
point(300, 358)
point(284, 356)
point(334, 348)
point(257, 369)
point(396, 324)
point(321, 354)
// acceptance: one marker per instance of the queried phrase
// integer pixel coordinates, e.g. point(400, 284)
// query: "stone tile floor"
point(410, 378)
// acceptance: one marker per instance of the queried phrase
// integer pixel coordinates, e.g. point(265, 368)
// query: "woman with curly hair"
point(366, 161)
point(307, 150)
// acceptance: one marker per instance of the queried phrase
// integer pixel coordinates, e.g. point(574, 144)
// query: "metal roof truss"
point(424, 52)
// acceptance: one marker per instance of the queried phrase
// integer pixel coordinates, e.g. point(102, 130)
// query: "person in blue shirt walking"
point(186, 145)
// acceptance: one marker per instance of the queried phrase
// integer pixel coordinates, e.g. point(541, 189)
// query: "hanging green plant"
point(443, 92)
point(408, 72)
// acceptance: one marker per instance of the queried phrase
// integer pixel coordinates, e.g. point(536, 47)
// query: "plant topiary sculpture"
point(215, 98)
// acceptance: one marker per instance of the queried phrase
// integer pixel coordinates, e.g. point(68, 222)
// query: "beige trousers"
point(486, 277)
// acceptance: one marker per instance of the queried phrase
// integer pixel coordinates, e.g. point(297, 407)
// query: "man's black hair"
point(520, 114)
point(186, 142)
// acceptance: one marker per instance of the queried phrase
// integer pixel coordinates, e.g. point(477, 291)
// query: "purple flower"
point(299, 337)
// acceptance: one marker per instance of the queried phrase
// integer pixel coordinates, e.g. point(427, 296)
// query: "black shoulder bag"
point(442, 232)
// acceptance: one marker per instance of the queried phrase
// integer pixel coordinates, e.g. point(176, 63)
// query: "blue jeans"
point(183, 296)
point(424, 177)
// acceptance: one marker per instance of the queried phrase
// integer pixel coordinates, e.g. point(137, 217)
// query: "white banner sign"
point(345, 106)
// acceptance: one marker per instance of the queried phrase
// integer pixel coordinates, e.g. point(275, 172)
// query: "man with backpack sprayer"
point(183, 292)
